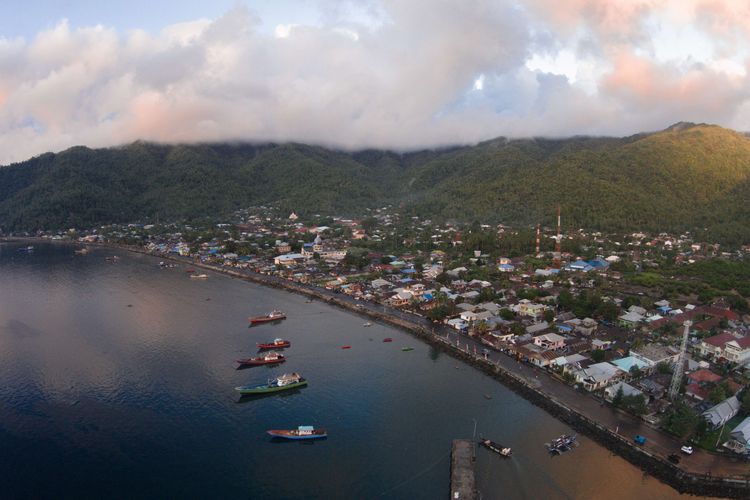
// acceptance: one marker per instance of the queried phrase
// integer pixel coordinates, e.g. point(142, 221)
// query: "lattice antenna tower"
point(674, 387)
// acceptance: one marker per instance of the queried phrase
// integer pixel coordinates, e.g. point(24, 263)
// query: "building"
point(722, 412)
point(550, 341)
point(598, 376)
point(726, 346)
point(627, 390)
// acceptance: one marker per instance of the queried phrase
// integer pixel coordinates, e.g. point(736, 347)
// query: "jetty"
point(463, 485)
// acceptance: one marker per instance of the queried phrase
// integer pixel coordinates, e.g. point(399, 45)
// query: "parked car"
point(687, 450)
point(639, 439)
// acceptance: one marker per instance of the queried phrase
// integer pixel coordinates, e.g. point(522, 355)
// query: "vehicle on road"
point(639, 439)
point(687, 450)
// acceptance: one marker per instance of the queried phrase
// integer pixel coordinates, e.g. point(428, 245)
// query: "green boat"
point(282, 383)
point(407, 348)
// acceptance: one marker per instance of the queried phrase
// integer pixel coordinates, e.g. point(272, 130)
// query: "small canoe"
point(367, 324)
point(407, 348)
point(387, 339)
point(346, 347)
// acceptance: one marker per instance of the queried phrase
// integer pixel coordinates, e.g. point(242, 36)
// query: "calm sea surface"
point(116, 381)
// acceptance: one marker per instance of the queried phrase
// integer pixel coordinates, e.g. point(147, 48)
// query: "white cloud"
point(380, 74)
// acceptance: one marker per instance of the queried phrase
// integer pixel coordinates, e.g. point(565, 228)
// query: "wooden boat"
point(367, 324)
point(301, 432)
point(199, 276)
point(190, 270)
point(407, 348)
point(269, 358)
point(387, 339)
point(501, 450)
point(276, 344)
point(272, 316)
point(81, 251)
point(282, 383)
point(346, 347)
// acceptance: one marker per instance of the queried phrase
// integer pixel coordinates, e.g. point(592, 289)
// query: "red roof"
point(704, 376)
point(720, 340)
point(696, 391)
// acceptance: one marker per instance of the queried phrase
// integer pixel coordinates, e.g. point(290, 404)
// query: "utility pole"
point(674, 387)
point(557, 260)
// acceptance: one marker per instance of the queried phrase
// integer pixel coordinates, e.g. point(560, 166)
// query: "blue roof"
point(598, 263)
point(406, 280)
point(506, 266)
point(427, 296)
point(629, 362)
point(665, 309)
point(408, 271)
point(564, 327)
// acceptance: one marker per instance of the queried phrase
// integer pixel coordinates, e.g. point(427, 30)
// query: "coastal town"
point(653, 325)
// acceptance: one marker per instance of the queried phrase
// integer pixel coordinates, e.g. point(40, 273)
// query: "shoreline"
point(654, 465)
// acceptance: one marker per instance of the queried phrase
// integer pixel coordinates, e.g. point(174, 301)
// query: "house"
point(630, 319)
point(289, 259)
point(598, 375)
point(536, 355)
point(728, 346)
point(537, 327)
point(722, 412)
point(656, 354)
point(401, 299)
point(550, 341)
point(579, 266)
point(627, 390)
point(527, 308)
point(741, 434)
point(570, 359)
point(631, 362)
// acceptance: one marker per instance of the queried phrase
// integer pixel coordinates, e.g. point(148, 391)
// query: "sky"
point(397, 74)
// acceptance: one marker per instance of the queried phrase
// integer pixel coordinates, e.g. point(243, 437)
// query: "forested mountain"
point(685, 177)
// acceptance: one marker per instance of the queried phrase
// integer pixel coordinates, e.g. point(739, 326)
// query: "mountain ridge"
point(685, 177)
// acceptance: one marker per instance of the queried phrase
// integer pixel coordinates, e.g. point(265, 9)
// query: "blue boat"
point(301, 432)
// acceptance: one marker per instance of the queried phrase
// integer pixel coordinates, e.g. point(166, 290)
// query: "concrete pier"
point(463, 486)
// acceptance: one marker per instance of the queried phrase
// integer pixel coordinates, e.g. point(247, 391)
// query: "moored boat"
point(346, 347)
point(282, 383)
point(387, 339)
point(501, 450)
point(199, 276)
point(272, 316)
point(407, 348)
point(269, 358)
point(367, 324)
point(276, 344)
point(562, 444)
point(301, 432)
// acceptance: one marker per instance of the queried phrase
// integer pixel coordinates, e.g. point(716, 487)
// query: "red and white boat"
point(269, 358)
point(276, 344)
point(272, 316)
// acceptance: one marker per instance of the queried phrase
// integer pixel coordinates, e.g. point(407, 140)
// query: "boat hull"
point(274, 346)
point(265, 319)
point(288, 434)
point(265, 389)
point(260, 361)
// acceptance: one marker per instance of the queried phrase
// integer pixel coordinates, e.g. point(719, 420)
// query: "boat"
point(367, 324)
point(28, 249)
point(301, 432)
point(190, 270)
point(269, 358)
point(114, 258)
point(407, 348)
point(496, 447)
point(562, 444)
point(276, 344)
point(81, 251)
point(199, 276)
point(282, 383)
point(272, 316)
point(387, 339)
point(346, 347)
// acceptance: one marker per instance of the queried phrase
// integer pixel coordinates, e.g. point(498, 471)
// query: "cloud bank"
point(386, 74)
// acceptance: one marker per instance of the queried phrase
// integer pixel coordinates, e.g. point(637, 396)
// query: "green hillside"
point(685, 177)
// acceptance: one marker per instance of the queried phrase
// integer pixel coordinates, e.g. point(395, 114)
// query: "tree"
point(635, 404)
point(683, 421)
point(507, 314)
point(745, 400)
point(635, 372)
point(549, 315)
point(597, 355)
point(617, 399)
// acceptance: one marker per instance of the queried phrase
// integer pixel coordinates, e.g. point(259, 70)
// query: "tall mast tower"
point(557, 260)
point(674, 387)
point(538, 237)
